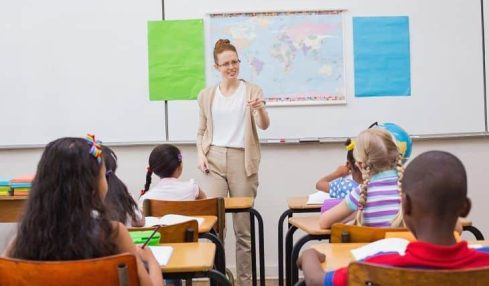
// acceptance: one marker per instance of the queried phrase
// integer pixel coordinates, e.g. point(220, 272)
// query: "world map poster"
point(295, 57)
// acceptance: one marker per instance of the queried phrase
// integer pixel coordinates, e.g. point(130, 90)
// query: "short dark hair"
point(437, 182)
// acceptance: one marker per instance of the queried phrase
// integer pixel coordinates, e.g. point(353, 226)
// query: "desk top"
point(238, 203)
point(208, 223)
point(190, 257)
point(204, 227)
point(301, 203)
point(309, 224)
point(13, 198)
point(339, 254)
point(465, 221)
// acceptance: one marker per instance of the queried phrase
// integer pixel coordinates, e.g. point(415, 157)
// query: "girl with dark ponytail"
point(119, 203)
point(166, 162)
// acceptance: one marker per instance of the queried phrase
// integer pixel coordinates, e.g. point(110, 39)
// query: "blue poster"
point(381, 56)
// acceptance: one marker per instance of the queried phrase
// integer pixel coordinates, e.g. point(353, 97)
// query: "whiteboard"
point(72, 67)
point(447, 79)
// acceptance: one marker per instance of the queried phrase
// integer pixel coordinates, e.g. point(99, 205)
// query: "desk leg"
point(261, 245)
point(221, 278)
point(294, 271)
point(286, 214)
point(253, 249)
point(475, 231)
point(289, 240)
point(220, 259)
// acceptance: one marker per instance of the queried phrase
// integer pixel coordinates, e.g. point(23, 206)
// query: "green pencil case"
point(140, 237)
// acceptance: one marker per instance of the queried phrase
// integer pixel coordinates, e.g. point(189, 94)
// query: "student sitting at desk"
point(166, 161)
point(341, 181)
point(65, 217)
point(435, 195)
point(376, 202)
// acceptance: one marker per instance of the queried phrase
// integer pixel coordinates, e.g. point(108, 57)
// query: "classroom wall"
point(286, 170)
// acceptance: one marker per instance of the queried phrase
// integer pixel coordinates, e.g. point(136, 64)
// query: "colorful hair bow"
point(350, 146)
point(179, 156)
point(95, 148)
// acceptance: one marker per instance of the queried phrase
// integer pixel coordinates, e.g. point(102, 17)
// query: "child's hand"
point(146, 254)
point(311, 255)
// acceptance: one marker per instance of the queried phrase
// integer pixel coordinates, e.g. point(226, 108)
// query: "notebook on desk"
point(162, 253)
point(317, 198)
point(170, 219)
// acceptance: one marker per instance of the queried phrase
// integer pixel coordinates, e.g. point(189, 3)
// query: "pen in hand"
point(151, 236)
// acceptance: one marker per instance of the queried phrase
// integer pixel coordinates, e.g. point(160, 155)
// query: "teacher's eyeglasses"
point(231, 63)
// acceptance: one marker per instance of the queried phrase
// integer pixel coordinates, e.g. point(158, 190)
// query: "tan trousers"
point(228, 176)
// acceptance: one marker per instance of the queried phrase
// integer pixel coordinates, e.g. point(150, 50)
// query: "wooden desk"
point(204, 227)
point(467, 226)
point(300, 203)
point(309, 225)
point(11, 208)
point(192, 260)
point(339, 254)
point(208, 223)
point(245, 204)
point(295, 205)
point(190, 257)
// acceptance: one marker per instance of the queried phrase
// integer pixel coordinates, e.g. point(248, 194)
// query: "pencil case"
point(140, 237)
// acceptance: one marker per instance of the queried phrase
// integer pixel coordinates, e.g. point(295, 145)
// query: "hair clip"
point(179, 156)
point(95, 148)
point(350, 146)
point(108, 173)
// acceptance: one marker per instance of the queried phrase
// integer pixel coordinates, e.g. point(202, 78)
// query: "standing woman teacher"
point(228, 145)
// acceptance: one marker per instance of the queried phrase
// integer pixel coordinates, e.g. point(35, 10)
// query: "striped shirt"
point(383, 199)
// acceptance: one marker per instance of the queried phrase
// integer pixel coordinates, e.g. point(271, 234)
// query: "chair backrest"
point(11, 209)
point(187, 231)
point(110, 271)
point(211, 206)
point(362, 274)
point(343, 233)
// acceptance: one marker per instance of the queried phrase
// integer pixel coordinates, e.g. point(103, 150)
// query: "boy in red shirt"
point(434, 197)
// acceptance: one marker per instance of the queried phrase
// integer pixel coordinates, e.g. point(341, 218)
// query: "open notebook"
point(162, 253)
point(317, 198)
point(385, 245)
point(170, 219)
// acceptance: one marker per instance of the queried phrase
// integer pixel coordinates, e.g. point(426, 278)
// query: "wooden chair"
point(342, 233)
point(114, 270)
point(181, 232)
point(211, 207)
point(11, 209)
point(361, 274)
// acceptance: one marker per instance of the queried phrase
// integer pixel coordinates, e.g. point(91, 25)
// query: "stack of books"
point(4, 187)
point(21, 185)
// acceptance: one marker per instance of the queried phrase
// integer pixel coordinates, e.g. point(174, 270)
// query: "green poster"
point(175, 59)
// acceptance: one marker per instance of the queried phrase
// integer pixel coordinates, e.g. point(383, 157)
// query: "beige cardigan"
point(252, 143)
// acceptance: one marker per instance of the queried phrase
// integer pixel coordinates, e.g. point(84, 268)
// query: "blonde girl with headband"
point(376, 202)
point(65, 217)
point(166, 162)
point(227, 142)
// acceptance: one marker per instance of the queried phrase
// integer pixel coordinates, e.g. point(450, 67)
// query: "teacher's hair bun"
point(222, 42)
